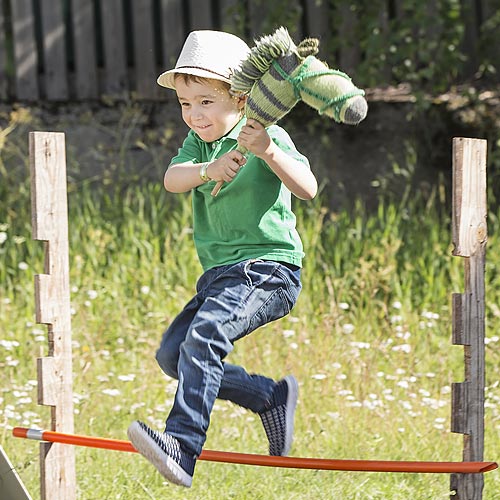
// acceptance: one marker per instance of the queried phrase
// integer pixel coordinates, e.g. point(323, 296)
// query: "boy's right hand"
point(226, 167)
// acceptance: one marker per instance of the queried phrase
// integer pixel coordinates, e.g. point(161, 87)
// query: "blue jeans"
point(231, 301)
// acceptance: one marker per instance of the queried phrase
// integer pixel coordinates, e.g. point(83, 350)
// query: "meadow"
point(369, 342)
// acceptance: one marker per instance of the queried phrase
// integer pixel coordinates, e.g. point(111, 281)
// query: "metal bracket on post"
point(469, 235)
point(50, 224)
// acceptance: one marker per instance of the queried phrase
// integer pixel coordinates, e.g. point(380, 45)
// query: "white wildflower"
point(333, 415)
point(402, 348)
point(111, 392)
point(9, 344)
point(348, 328)
point(489, 340)
point(360, 345)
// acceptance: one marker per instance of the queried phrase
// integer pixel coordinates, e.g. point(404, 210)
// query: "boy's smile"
point(208, 108)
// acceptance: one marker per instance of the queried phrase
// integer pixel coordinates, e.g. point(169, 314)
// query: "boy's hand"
point(226, 167)
point(255, 138)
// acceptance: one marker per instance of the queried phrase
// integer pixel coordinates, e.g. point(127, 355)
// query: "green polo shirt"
point(251, 217)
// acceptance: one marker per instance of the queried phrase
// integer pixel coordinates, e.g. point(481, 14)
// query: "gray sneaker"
point(164, 452)
point(278, 416)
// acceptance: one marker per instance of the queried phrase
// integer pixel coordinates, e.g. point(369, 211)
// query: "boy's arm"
point(294, 174)
point(182, 177)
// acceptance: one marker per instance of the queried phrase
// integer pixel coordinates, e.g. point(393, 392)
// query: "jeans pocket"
point(275, 307)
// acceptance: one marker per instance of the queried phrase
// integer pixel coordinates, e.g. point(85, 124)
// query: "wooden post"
point(50, 224)
point(469, 234)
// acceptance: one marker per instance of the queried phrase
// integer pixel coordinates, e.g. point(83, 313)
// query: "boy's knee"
point(168, 361)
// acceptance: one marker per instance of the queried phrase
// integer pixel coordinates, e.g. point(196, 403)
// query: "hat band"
point(204, 69)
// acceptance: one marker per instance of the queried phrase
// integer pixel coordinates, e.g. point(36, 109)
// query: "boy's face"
point(207, 107)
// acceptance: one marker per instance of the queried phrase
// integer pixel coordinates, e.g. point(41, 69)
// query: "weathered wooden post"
point(469, 235)
point(50, 224)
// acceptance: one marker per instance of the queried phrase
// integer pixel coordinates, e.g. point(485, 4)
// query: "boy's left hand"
point(254, 137)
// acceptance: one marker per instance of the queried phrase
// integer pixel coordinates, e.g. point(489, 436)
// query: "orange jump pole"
point(270, 461)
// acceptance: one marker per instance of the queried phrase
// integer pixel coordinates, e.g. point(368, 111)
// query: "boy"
point(248, 247)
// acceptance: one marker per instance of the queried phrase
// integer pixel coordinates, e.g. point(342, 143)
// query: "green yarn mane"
point(268, 49)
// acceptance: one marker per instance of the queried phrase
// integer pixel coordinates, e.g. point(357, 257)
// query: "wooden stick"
point(270, 461)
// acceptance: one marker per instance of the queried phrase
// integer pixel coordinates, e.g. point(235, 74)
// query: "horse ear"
point(308, 47)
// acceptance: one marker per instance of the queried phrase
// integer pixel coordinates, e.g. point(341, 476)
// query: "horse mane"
point(267, 49)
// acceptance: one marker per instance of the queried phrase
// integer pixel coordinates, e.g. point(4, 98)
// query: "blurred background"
point(89, 67)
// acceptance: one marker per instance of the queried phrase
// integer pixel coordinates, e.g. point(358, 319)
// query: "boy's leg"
point(238, 300)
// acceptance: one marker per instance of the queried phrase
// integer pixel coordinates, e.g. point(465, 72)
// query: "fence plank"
point(317, 15)
point(25, 54)
point(82, 20)
point(113, 35)
point(201, 15)
point(230, 19)
point(471, 35)
point(54, 50)
point(144, 50)
point(349, 55)
point(172, 32)
point(257, 13)
point(3, 59)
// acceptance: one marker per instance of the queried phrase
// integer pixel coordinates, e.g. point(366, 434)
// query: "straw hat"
point(209, 54)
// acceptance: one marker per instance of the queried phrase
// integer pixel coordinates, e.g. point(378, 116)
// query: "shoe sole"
point(291, 403)
point(149, 449)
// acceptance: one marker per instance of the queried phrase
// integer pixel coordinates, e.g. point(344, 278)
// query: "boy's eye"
point(206, 101)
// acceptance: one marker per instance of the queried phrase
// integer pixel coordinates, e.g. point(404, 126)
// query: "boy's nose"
point(196, 114)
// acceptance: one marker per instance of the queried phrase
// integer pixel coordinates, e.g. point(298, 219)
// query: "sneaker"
point(164, 452)
point(278, 417)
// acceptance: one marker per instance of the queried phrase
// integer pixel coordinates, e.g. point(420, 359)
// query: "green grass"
point(369, 342)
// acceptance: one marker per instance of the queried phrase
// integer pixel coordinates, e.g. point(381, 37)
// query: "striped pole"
point(270, 461)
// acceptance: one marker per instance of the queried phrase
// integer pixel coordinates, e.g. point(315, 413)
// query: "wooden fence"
point(60, 50)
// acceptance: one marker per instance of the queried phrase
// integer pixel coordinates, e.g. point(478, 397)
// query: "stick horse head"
point(277, 74)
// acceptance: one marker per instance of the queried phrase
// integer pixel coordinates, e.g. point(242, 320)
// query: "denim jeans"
point(231, 301)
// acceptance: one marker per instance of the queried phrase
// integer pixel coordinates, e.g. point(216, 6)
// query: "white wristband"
point(203, 172)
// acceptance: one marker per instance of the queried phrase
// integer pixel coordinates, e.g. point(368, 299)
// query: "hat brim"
point(167, 78)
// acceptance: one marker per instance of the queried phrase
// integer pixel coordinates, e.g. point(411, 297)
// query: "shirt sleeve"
point(189, 151)
point(284, 141)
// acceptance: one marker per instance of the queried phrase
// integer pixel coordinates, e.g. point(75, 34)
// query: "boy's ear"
point(242, 100)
